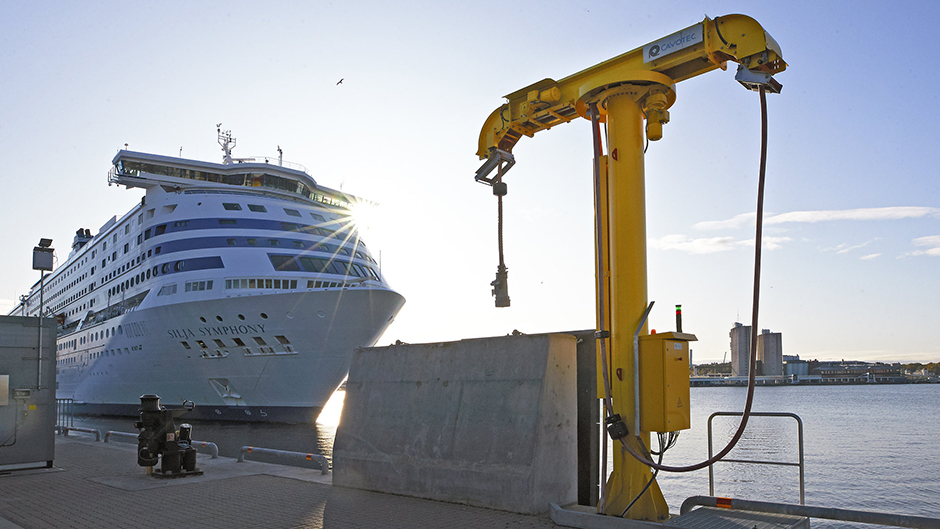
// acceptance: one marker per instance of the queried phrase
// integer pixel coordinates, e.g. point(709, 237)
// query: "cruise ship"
point(242, 286)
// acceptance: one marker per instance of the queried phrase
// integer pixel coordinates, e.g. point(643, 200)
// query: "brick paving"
point(99, 485)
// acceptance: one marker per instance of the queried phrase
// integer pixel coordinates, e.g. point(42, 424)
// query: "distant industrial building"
point(770, 354)
point(775, 368)
point(855, 372)
point(740, 349)
point(769, 351)
point(794, 367)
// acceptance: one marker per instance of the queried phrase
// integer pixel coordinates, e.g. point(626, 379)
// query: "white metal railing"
point(64, 431)
point(212, 447)
point(799, 422)
point(271, 160)
point(829, 513)
point(285, 454)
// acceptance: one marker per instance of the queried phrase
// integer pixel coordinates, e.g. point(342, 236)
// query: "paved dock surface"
point(98, 485)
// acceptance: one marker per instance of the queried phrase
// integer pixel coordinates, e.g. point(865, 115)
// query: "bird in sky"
point(340, 81)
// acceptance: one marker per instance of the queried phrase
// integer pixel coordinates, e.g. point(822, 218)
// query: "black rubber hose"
point(662, 451)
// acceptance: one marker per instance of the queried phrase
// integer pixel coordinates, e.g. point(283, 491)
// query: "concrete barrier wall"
point(489, 422)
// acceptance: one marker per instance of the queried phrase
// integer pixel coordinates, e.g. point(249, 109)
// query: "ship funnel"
point(82, 236)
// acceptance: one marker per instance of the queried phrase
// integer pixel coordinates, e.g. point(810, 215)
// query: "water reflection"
point(316, 438)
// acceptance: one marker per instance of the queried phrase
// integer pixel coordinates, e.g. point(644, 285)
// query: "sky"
point(852, 206)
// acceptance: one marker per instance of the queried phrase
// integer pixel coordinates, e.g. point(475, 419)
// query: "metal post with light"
point(43, 257)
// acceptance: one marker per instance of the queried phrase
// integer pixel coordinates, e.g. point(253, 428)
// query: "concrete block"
point(489, 422)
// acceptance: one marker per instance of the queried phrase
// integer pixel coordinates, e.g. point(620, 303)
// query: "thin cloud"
point(891, 213)
point(888, 213)
point(703, 245)
point(870, 256)
point(773, 243)
point(845, 248)
point(770, 243)
point(707, 245)
point(932, 243)
point(734, 222)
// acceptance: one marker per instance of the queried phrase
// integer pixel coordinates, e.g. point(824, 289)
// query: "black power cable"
point(649, 483)
point(16, 427)
point(664, 444)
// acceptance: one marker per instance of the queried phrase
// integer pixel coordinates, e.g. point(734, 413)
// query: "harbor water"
point(866, 447)
point(870, 447)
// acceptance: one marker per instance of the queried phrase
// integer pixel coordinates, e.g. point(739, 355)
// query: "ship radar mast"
point(227, 142)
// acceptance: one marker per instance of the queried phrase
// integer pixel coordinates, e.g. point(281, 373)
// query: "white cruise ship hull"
point(276, 382)
point(243, 287)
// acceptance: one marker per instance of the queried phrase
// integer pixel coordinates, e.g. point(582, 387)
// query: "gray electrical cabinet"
point(27, 392)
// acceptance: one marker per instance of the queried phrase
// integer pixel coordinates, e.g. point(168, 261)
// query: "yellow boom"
point(677, 57)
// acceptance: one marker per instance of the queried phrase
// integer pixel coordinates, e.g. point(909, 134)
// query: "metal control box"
point(664, 382)
point(27, 383)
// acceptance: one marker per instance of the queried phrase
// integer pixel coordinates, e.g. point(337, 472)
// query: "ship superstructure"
point(242, 286)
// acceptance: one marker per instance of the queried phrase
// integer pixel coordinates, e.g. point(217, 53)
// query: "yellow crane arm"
point(682, 55)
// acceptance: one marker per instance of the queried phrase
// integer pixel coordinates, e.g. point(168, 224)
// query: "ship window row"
point(69, 299)
point(257, 208)
point(177, 267)
point(311, 230)
point(344, 231)
point(65, 274)
point(198, 286)
point(94, 337)
point(292, 263)
point(248, 283)
point(110, 352)
point(94, 355)
point(280, 284)
point(76, 310)
point(328, 284)
point(61, 276)
point(203, 243)
point(132, 168)
point(250, 194)
point(199, 263)
point(189, 286)
point(282, 340)
point(121, 287)
point(128, 283)
point(52, 296)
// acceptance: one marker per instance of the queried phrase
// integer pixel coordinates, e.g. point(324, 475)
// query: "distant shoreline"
point(711, 382)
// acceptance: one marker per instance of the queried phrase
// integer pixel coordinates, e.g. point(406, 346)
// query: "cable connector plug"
point(501, 287)
point(616, 427)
